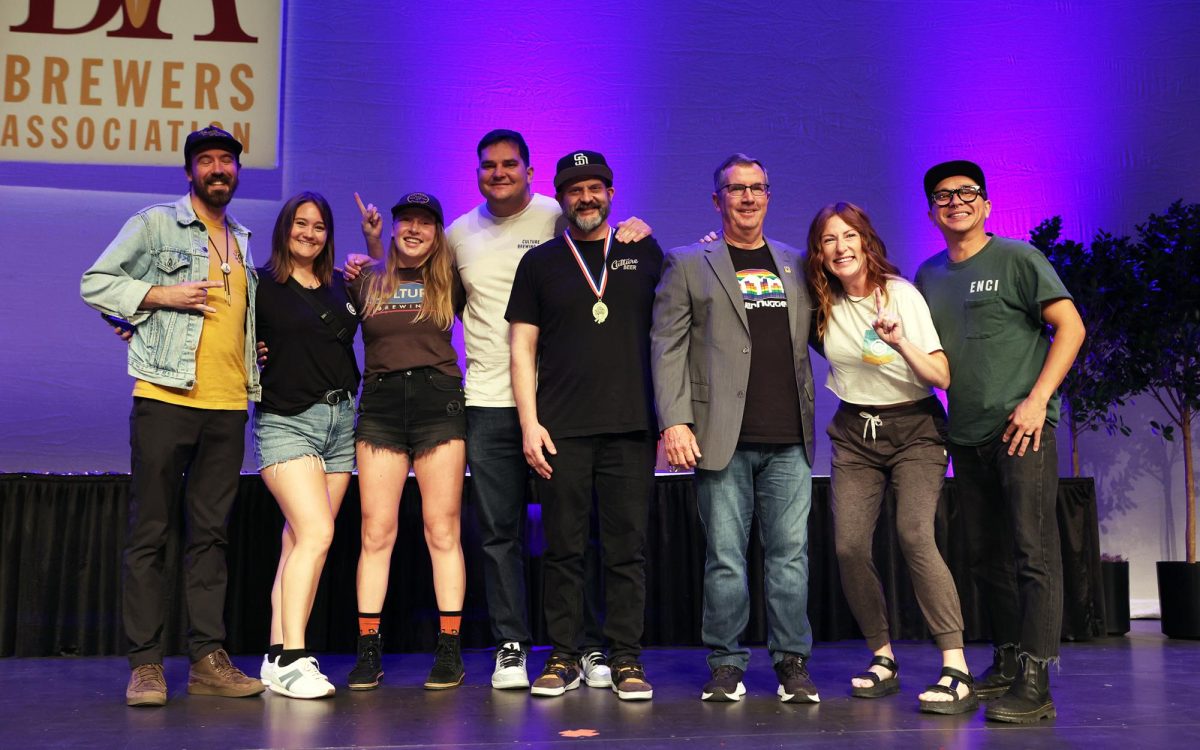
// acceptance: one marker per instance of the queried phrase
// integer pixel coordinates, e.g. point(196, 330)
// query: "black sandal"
point(968, 702)
point(881, 686)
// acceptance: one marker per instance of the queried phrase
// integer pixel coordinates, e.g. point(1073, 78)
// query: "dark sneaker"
point(996, 679)
point(725, 685)
point(216, 675)
point(368, 669)
point(447, 669)
point(629, 681)
point(147, 686)
point(595, 669)
point(560, 675)
point(795, 686)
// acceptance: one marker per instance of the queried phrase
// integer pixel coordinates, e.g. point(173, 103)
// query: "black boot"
point(447, 669)
point(368, 670)
point(1028, 700)
point(996, 679)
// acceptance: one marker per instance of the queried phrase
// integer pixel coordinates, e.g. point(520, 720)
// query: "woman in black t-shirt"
point(412, 413)
point(304, 426)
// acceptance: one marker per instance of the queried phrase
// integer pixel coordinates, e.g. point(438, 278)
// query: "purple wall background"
point(1088, 110)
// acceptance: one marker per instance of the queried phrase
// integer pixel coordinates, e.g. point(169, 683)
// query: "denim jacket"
point(161, 245)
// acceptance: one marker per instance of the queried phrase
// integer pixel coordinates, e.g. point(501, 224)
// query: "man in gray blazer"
point(734, 395)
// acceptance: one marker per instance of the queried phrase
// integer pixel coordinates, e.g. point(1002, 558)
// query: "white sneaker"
point(510, 667)
point(596, 673)
point(266, 671)
point(301, 679)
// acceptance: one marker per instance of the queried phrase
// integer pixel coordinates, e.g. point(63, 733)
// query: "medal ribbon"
point(598, 290)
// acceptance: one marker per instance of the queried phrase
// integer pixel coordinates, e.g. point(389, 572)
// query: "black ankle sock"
point(274, 650)
point(289, 655)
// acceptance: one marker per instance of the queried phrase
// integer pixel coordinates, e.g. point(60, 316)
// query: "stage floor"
point(1140, 691)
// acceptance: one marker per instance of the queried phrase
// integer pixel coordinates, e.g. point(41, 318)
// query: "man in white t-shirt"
point(488, 242)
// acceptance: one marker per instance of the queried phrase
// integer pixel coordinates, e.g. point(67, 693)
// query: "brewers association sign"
point(125, 81)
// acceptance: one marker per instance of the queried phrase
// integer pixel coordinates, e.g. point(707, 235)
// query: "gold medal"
point(600, 311)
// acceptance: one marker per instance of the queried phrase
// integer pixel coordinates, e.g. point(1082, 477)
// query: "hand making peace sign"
point(887, 326)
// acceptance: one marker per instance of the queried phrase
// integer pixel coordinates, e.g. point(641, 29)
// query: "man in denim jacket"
point(181, 276)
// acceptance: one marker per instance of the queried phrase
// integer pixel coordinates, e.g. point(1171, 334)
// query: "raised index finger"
point(878, 303)
point(361, 206)
point(207, 284)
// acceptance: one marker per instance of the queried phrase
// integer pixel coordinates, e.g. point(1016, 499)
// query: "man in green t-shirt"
point(1011, 333)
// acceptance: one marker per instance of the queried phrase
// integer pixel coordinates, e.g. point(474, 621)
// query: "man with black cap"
point(580, 321)
point(488, 242)
point(1011, 333)
point(180, 275)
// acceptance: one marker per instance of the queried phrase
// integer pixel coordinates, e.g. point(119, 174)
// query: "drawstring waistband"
point(872, 421)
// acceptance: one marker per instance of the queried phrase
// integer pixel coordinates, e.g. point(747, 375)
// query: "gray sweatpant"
point(905, 444)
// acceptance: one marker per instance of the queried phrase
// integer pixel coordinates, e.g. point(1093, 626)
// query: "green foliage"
point(1098, 278)
point(1164, 320)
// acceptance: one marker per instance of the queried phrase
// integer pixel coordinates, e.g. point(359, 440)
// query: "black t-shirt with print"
point(772, 412)
point(304, 357)
point(593, 378)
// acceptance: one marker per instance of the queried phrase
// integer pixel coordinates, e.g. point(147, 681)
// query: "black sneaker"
point(447, 669)
point(560, 675)
point(629, 681)
point(368, 669)
point(725, 685)
point(795, 686)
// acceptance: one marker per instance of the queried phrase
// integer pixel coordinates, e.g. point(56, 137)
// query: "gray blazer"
point(700, 345)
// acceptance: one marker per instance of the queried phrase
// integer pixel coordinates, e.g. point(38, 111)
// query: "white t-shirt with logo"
point(862, 368)
point(487, 250)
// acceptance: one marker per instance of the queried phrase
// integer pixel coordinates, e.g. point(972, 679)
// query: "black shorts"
point(412, 411)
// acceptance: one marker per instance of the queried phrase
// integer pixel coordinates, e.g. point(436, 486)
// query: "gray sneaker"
point(510, 667)
point(596, 672)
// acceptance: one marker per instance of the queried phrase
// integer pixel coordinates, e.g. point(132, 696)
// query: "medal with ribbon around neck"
point(599, 310)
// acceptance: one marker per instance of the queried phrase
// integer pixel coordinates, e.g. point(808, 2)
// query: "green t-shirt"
point(988, 312)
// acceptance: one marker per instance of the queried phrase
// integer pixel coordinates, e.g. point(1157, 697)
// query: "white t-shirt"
point(862, 368)
point(487, 250)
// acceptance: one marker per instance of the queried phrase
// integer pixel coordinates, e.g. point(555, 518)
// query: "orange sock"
point(368, 624)
point(450, 622)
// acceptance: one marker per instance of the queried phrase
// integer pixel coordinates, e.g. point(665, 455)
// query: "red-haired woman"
point(884, 355)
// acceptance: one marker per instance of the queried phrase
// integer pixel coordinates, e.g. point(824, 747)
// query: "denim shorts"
point(412, 411)
point(322, 430)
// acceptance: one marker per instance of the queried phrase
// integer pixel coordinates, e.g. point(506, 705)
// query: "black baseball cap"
point(579, 165)
point(419, 200)
point(939, 172)
point(210, 137)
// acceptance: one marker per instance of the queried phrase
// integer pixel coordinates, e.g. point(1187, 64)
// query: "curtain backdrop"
point(60, 570)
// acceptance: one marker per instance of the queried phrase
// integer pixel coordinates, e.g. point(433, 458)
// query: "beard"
point(588, 224)
point(216, 198)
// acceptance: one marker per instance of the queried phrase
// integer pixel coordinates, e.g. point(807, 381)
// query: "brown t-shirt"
point(393, 339)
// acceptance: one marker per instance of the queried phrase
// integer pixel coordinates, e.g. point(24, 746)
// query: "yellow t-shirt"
point(220, 355)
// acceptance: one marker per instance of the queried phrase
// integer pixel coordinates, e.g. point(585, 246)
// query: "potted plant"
point(1115, 571)
point(1164, 326)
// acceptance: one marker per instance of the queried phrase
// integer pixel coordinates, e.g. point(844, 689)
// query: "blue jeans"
point(499, 490)
point(773, 482)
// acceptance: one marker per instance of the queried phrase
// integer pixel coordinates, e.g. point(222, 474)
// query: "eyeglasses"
point(966, 194)
point(737, 191)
